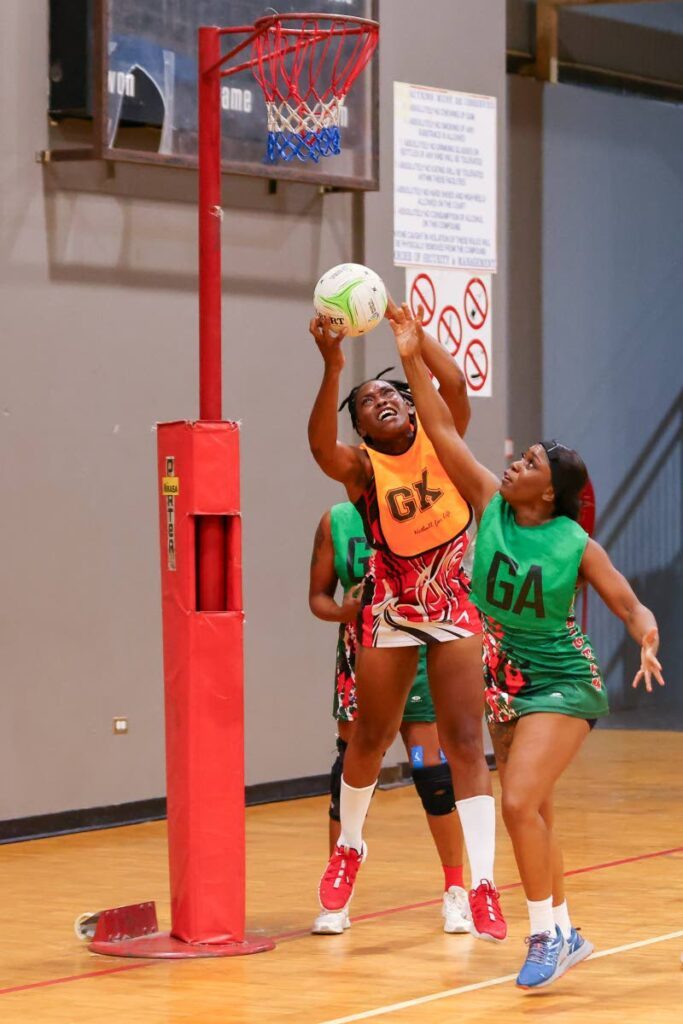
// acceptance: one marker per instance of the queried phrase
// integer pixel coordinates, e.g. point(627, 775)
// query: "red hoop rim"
point(262, 24)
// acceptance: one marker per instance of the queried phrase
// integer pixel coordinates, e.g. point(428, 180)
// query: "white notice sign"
point(444, 178)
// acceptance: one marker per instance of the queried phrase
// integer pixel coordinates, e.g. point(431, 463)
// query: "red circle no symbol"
point(476, 303)
point(476, 365)
point(423, 293)
point(449, 329)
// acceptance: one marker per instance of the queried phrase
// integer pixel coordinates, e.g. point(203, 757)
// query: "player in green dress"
point(544, 688)
point(341, 555)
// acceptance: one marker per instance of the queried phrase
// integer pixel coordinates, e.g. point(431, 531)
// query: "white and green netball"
point(351, 296)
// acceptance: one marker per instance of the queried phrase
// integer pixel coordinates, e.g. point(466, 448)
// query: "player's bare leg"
point(383, 680)
point(531, 754)
point(433, 783)
point(455, 678)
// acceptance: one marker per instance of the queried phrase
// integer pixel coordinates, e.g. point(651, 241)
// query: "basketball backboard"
point(144, 90)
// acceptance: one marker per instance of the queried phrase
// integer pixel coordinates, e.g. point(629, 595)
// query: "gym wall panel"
point(98, 292)
point(595, 212)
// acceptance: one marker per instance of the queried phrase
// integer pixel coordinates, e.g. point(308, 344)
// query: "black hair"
point(569, 475)
point(399, 385)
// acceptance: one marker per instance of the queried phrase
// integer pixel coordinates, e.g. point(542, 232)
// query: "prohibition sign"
point(423, 293)
point(449, 330)
point(476, 303)
point(476, 365)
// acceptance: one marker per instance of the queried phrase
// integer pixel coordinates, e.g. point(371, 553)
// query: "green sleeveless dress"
point(352, 555)
point(524, 582)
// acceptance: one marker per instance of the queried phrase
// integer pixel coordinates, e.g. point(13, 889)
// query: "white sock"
point(478, 820)
point(561, 915)
point(353, 809)
point(541, 917)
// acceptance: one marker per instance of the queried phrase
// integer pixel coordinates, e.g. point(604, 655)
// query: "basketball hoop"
point(305, 65)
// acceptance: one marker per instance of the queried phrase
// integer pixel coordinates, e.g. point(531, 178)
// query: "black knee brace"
point(335, 780)
point(435, 789)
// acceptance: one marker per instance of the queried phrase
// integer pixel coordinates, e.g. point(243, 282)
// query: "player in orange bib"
point(415, 595)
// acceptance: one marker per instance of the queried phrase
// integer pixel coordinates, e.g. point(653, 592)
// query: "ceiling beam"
point(547, 32)
point(599, 3)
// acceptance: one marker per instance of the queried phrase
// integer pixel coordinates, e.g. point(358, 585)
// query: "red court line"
point(625, 860)
point(511, 885)
point(360, 917)
point(77, 977)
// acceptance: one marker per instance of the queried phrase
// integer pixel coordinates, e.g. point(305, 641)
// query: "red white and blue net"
point(306, 65)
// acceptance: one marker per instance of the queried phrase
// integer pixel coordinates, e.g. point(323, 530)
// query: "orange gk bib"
point(419, 506)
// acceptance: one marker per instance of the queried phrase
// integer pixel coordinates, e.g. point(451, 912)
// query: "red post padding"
point(203, 674)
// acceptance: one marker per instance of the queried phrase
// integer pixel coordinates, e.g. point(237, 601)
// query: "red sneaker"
point(487, 917)
point(336, 885)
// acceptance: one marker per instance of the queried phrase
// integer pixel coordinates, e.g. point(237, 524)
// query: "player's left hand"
point(407, 329)
point(649, 666)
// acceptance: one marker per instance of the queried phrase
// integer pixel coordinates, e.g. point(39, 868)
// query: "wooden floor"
point(621, 815)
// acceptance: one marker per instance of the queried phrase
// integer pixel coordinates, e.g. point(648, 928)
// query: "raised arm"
point(596, 568)
point(449, 375)
point(323, 580)
point(475, 482)
point(340, 461)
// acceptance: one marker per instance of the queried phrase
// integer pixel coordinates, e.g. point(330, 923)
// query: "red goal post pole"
point(202, 603)
point(211, 563)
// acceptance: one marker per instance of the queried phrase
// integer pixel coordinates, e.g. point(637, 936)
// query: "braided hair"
point(568, 475)
point(400, 386)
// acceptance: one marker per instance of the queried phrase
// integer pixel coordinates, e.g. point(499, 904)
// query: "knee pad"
point(335, 780)
point(435, 789)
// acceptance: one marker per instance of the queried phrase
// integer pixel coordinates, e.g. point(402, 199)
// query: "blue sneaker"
point(544, 962)
point(576, 949)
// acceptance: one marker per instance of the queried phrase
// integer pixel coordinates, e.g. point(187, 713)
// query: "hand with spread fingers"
point(649, 665)
point(408, 330)
point(392, 310)
point(329, 342)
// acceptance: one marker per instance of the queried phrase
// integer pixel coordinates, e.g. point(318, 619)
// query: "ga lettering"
point(502, 592)
point(358, 557)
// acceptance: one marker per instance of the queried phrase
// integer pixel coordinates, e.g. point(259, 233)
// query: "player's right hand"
point(351, 603)
point(329, 342)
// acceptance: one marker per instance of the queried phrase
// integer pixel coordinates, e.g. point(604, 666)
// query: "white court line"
point(393, 1007)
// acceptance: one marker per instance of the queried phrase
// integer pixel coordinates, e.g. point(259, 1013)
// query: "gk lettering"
point(405, 502)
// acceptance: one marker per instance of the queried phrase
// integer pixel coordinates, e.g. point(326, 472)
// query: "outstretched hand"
point(328, 342)
point(649, 666)
point(407, 329)
point(392, 310)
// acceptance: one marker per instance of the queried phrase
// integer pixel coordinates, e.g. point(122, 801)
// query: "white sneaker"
point(456, 911)
point(331, 922)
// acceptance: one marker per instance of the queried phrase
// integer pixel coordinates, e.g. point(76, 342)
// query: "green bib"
point(352, 553)
point(524, 577)
point(535, 656)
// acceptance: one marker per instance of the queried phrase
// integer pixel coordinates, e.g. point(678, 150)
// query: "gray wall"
point(466, 52)
point(596, 201)
point(98, 295)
